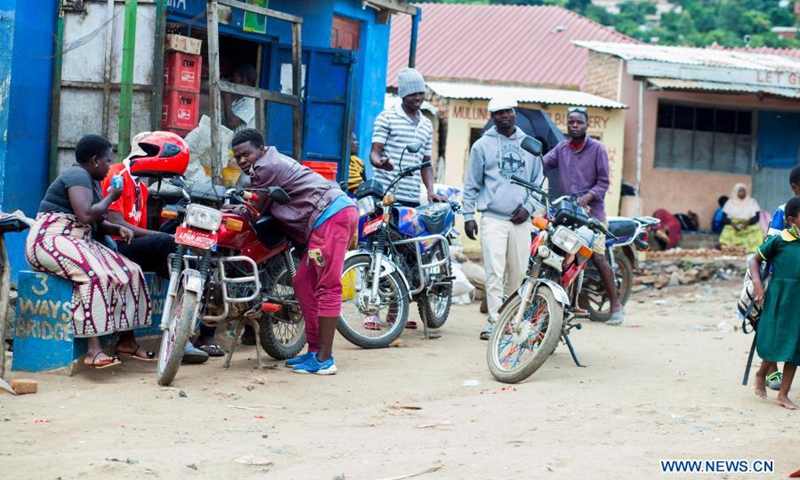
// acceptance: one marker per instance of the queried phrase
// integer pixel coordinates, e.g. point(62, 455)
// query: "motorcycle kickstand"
point(256, 328)
point(565, 337)
point(237, 333)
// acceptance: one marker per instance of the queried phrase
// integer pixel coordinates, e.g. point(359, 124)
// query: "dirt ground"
point(666, 385)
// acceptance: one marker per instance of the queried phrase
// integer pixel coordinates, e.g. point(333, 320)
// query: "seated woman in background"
point(742, 213)
point(109, 292)
point(667, 233)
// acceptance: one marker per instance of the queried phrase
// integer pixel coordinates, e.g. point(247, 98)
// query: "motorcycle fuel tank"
point(237, 233)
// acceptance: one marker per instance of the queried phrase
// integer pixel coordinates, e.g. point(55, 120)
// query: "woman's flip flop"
point(114, 361)
point(149, 355)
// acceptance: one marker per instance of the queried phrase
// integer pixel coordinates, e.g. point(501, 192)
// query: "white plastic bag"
point(461, 285)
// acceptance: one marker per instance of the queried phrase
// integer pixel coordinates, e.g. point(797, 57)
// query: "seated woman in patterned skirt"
point(109, 294)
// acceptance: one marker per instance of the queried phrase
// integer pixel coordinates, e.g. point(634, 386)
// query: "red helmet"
point(158, 154)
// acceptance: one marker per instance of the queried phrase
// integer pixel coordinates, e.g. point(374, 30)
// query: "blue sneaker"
point(487, 333)
point(193, 356)
point(313, 366)
point(298, 360)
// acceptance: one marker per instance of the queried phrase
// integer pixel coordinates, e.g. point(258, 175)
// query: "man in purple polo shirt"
point(582, 165)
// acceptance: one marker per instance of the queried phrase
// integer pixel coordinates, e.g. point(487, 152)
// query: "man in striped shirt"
point(397, 127)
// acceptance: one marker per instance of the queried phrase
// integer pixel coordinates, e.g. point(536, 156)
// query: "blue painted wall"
point(370, 73)
point(371, 61)
point(7, 39)
point(27, 33)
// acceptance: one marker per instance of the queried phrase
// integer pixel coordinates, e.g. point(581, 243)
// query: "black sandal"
point(212, 349)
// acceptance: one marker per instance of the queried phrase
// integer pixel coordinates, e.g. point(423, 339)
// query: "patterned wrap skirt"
point(109, 293)
point(750, 237)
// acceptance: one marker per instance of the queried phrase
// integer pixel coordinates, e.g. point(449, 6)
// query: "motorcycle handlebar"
point(410, 170)
point(524, 183)
point(250, 196)
point(598, 227)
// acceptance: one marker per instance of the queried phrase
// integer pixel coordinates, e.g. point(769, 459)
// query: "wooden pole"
point(212, 13)
point(259, 101)
point(297, 72)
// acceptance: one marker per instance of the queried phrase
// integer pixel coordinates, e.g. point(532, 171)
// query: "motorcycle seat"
point(11, 223)
point(621, 227)
point(648, 221)
point(269, 232)
point(434, 216)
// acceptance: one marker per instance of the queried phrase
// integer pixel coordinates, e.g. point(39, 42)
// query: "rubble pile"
point(687, 267)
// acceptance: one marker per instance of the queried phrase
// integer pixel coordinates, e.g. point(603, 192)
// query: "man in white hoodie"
point(505, 208)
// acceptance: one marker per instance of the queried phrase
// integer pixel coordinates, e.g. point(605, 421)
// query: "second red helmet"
point(158, 154)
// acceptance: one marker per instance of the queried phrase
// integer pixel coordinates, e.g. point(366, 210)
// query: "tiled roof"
point(525, 45)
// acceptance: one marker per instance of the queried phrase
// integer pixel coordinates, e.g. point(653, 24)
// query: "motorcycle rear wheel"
point(594, 298)
point(538, 334)
point(282, 333)
point(434, 303)
point(174, 338)
point(394, 305)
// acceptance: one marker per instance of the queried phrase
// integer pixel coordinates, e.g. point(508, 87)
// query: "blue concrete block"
point(43, 334)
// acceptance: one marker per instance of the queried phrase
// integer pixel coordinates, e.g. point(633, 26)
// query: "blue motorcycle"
point(403, 256)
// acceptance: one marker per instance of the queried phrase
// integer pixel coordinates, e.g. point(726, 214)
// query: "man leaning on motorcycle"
point(321, 219)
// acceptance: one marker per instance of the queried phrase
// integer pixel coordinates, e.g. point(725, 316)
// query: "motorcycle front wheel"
point(365, 325)
point(515, 353)
point(282, 333)
point(174, 338)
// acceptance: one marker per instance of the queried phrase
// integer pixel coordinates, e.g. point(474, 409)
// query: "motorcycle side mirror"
point(279, 195)
point(414, 147)
point(531, 145)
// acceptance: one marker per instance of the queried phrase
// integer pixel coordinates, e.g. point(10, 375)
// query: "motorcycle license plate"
point(195, 238)
point(373, 225)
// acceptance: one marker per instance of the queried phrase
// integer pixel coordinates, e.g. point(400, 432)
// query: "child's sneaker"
point(298, 360)
point(311, 365)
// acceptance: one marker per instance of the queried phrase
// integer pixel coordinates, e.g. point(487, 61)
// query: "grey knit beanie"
point(409, 81)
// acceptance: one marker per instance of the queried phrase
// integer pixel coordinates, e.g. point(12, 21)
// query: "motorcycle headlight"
point(206, 218)
point(566, 240)
point(366, 206)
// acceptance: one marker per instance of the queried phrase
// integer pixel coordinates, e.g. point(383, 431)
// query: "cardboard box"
point(179, 43)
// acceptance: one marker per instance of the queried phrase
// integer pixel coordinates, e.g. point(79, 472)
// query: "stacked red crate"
point(181, 107)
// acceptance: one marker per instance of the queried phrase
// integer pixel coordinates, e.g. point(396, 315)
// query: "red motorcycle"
point(540, 312)
point(228, 270)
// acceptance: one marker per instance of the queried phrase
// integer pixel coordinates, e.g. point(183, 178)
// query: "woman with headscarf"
point(742, 213)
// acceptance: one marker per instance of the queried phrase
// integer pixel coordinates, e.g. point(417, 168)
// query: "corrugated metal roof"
point(530, 45)
point(675, 84)
point(696, 56)
point(466, 91)
point(785, 52)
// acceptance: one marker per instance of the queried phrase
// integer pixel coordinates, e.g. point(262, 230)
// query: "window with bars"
point(704, 138)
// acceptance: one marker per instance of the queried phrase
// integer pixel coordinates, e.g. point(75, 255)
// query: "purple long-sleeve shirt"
point(582, 171)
